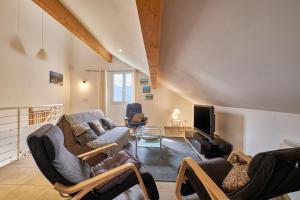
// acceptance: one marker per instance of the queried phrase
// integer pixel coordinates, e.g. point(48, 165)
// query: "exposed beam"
point(59, 12)
point(150, 13)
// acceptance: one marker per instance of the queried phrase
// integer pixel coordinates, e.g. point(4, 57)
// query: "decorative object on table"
point(176, 114)
point(146, 89)
point(149, 97)
point(56, 78)
point(41, 54)
point(144, 81)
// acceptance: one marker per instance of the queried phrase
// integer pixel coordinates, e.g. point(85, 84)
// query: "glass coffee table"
point(148, 136)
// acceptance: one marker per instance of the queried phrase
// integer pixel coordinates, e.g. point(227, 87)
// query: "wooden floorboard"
point(22, 180)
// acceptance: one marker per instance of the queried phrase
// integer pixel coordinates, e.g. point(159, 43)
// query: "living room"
point(235, 63)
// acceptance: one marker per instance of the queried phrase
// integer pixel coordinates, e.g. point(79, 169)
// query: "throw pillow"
point(97, 127)
point(236, 178)
point(138, 117)
point(80, 128)
point(86, 137)
point(108, 123)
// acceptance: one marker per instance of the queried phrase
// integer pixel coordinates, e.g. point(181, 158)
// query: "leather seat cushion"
point(109, 163)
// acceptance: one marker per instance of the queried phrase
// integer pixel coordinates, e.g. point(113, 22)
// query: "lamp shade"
point(42, 54)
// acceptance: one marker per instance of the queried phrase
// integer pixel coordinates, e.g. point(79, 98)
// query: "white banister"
point(16, 123)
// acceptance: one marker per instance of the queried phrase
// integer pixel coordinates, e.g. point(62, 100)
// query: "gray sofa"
point(119, 135)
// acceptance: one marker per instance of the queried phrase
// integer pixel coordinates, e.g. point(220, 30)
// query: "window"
point(122, 87)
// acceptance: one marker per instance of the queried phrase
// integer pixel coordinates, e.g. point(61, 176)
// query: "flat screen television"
point(204, 120)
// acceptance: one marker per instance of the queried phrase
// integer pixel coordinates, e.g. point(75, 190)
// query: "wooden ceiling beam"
point(150, 14)
point(59, 12)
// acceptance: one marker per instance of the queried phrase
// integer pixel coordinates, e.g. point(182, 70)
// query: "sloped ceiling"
point(235, 53)
point(115, 23)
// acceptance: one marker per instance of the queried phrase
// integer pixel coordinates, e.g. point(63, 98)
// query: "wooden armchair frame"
point(86, 186)
point(213, 190)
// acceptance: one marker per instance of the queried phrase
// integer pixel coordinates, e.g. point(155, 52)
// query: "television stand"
point(209, 148)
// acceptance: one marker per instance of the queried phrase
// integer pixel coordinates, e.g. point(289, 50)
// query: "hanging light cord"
point(42, 29)
point(18, 18)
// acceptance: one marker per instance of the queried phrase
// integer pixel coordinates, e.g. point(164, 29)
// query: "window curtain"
point(135, 85)
point(102, 90)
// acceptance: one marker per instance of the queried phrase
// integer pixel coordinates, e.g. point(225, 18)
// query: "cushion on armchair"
point(138, 117)
point(109, 163)
point(236, 179)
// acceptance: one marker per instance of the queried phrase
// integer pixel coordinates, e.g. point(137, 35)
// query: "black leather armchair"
point(131, 110)
point(271, 174)
point(73, 177)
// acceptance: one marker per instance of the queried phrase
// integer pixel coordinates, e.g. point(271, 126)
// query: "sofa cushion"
point(97, 127)
point(68, 165)
point(119, 135)
point(108, 123)
point(112, 162)
point(86, 137)
point(236, 179)
point(80, 128)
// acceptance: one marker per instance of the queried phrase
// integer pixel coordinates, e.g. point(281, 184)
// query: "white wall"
point(159, 110)
point(24, 79)
point(255, 131)
point(85, 96)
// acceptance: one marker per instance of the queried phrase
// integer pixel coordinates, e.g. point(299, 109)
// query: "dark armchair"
point(271, 174)
point(72, 177)
point(131, 110)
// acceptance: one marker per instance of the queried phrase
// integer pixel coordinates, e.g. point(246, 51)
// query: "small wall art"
point(56, 78)
point(144, 81)
point(146, 89)
point(149, 97)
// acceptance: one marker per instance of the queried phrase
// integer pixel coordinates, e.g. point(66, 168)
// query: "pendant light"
point(42, 55)
point(16, 42)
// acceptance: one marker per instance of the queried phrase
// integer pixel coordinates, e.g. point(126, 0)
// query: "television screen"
point(204, 120)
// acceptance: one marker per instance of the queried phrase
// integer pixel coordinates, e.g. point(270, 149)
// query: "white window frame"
point(123, 73)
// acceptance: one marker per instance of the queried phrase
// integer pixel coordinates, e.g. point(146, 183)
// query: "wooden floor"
point(22, 180)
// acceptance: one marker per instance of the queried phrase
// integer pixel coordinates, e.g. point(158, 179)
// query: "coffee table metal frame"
point(142, 133)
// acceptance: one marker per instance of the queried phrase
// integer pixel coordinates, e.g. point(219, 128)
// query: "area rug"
point(164, 166)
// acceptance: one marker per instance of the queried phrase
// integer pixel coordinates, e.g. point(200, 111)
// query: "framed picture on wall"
point(146, 89)
point(56, 78)
point(144, 81)
point(149, 97)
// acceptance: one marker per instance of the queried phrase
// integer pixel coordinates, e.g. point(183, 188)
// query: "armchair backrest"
point(53, 159)
point(272, 174)
point(132, 109)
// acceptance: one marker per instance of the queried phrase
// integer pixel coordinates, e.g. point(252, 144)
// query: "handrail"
point(37, 106)
point(17, 122)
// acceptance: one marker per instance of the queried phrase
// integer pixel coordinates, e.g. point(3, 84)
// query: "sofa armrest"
point(94, 152)
point(237, 156)
point(86, 186)
point(212, 189)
